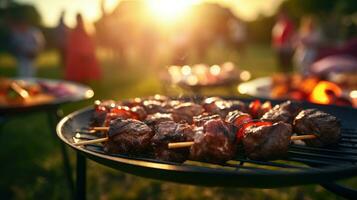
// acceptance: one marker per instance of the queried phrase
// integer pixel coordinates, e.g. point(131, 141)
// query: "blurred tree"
point(320, 7)
point(24, 12)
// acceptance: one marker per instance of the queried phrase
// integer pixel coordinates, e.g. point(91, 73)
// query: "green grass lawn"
point(31, 166)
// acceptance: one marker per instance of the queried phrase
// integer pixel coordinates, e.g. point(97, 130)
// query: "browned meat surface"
point(128, 136)
point(154, 119)
point(155, 106)
point(284, 112)
point(139, 112)
point(215, 144)
point(209, 104)
point(185, 112)
point(222, 107)
point(167, 132)
point(325, 126)
point(200, 120)
point(237, 117)
point(267, 142)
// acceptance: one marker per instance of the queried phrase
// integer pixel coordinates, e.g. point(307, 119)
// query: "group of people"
point(299, 48)
point(75, 46)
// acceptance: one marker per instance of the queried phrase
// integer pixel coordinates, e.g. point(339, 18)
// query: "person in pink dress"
point(283, 34)
point(81, 61)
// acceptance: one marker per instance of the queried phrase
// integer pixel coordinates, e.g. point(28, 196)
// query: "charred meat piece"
point(216, 144)
point(326, 127)
point(155, 106)
point(154, 119)
point(128, 136)
point(284, 112)
point(223, 107)
point(122, 112)
point(238, 118)
point(200, 120)
point(167, 132)
point(209, 103)
point(139, 112)
point(185, 112)
point(101, 108)
point(267, 142)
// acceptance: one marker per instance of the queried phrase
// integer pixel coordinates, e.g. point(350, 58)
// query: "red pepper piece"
point(123, 111)
point(241, 132)
point(254, 108)
point(242, 119)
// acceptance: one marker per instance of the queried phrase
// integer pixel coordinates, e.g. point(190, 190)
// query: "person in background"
point(282, 41)
point(81, 61)
point(60, 37)
point(309, 40)
point(26, 42)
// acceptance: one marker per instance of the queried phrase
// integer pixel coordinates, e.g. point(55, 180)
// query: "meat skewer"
point(209, 137)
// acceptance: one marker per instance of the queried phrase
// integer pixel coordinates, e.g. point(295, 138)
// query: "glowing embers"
point(325, 93)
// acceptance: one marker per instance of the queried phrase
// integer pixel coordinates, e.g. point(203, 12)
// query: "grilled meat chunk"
point(238, 118)
point(267, 142)
point(200, 120)
point(155, 106)
point(139, 112)
point(284, 112)
point(222, 107)
point(128, 136)
point(326, 127)
point(185, 112)
point(167, 132)
point(154, 119)
point(216, 144)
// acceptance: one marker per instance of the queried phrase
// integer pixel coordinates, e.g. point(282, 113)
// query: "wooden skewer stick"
point(18, 89)
point(176, 145)
point(303, 137)
point(91, 141)
point(99, 128)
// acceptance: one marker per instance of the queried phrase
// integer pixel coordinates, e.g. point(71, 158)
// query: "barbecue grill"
point(303, 165)
point(77, 92)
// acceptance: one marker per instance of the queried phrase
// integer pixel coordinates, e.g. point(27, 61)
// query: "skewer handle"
point(177, 145)
point(303, 137)
point(100, 128)
point(91, 141)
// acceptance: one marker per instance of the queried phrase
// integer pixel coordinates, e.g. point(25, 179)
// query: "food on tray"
point(17, 92)
point(212, 130)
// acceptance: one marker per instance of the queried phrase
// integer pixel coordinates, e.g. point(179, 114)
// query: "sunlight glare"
point(168, 10)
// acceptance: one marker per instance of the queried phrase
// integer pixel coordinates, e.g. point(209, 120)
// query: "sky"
point(90, 9)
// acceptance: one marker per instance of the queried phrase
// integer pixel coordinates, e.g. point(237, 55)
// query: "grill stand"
point(81, 182)
point(54, 114)
point(53, 118)
point(81, 177)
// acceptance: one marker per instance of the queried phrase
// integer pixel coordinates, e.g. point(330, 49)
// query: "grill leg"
point(81, 177)
point(340, 190)
point(53, 117)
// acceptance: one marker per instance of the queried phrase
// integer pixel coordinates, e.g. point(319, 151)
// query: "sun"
point(169, 10)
